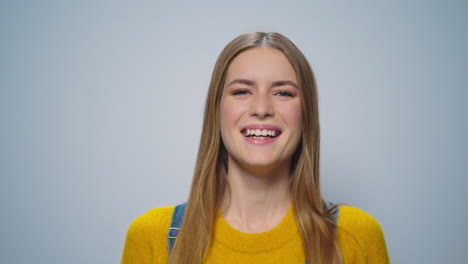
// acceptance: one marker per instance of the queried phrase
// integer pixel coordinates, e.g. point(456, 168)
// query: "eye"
point(240, 92)
point(284, 93)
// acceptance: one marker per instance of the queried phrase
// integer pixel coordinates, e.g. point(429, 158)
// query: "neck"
point(257, 198)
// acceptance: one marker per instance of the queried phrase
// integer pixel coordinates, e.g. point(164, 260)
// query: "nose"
point(261, 106)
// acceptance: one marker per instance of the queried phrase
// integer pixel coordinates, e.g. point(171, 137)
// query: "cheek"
point(227, 115)
point(230, 113)
point(293, 117)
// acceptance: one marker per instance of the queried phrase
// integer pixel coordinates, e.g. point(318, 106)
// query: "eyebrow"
point(274, 84)
point(241, 81)
point(285, 82)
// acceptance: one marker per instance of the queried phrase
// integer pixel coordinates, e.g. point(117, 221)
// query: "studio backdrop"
point(101, 106)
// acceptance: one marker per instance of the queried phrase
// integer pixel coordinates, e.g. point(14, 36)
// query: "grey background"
point(101, 108)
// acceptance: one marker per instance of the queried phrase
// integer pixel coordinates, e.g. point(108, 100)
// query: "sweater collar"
point(255, 242)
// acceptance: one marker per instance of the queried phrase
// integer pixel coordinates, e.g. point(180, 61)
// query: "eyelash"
point(240, 92)
point(280, 93)
point(285, 93)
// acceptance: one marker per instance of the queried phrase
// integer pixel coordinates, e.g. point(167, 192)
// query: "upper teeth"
point(258, 132)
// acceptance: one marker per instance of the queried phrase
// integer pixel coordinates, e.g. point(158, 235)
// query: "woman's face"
point(261, 115)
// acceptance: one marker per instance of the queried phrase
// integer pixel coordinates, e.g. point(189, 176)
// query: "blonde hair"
point(209, 180)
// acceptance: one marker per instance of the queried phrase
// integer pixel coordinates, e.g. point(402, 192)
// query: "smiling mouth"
point(261, 133)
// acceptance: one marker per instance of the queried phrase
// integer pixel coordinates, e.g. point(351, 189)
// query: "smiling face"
point(261, 115)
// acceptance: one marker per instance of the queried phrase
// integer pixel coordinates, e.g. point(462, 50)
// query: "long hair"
point(209, 180)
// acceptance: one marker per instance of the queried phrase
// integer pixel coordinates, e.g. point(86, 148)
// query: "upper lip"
point(261, 127)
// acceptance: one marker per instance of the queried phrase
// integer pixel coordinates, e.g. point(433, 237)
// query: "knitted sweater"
point(360, 236)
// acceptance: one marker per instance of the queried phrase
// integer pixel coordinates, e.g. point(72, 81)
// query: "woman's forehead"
point(261, 63)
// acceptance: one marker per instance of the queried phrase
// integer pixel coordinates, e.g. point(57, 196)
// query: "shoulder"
point(356, 219)
point(146, 237)
point(361, 236)
point(156, 220)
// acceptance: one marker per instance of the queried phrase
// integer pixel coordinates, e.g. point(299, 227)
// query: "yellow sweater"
point(360, 236)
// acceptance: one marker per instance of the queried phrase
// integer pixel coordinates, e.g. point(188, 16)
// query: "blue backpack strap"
point(176, 222)
point(334, 216)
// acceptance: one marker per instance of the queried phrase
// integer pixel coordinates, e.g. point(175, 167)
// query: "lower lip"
point(260, 142)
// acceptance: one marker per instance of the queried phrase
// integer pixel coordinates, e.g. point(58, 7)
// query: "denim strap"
point(176, 222)
point(334, 216)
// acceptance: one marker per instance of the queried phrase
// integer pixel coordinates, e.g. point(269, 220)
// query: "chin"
point(261, 162)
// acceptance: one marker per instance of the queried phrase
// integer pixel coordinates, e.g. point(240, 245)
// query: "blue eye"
point(240, 92)
point(284, 93)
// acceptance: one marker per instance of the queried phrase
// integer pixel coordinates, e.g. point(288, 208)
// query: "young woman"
point(255, 195)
